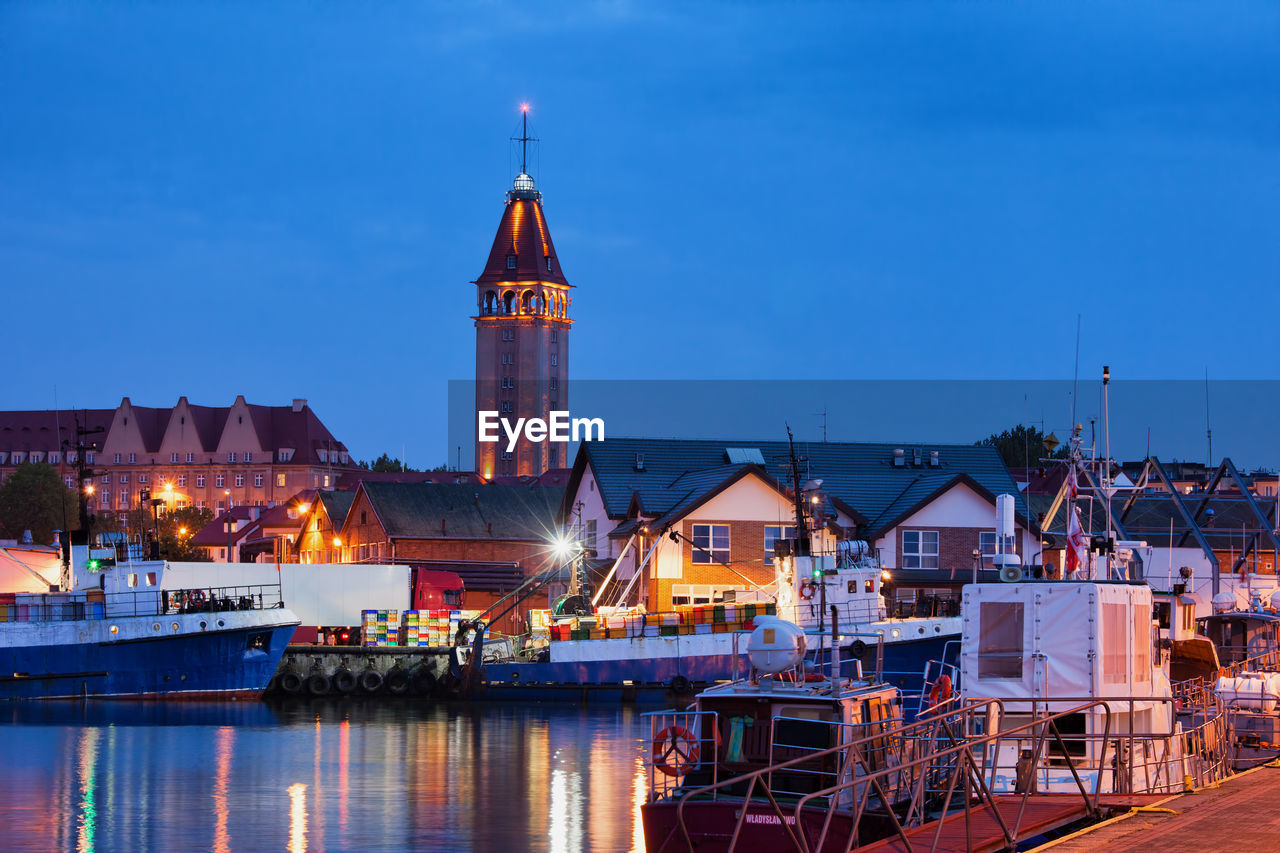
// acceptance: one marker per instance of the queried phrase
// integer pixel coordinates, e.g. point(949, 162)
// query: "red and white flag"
point(1077, 544)
point(1073, 483)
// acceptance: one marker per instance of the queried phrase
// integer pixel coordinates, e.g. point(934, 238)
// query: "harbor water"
point(323, 775)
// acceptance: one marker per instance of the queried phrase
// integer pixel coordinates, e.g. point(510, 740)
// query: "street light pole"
point(227, 493)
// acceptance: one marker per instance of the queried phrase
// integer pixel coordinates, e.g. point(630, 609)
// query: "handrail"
point(755, 776)
point(1199, 753)
point(964, 750)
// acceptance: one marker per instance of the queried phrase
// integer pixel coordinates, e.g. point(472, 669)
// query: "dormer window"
point(231, 457)
point(133, 458)
point(511, 262)
point(248, 456)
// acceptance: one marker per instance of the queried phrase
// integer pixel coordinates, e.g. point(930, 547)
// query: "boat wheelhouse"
point(1048, 646)
point(748, 745)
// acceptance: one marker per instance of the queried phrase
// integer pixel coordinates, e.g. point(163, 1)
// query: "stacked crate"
point(412, 627)
point(380, 627)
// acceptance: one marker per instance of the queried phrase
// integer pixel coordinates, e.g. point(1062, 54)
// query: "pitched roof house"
point(924, 507)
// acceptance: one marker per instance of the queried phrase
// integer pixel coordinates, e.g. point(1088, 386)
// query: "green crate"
point(668, 630)
point(718, 613)
point(770, 608)
point(749, 611)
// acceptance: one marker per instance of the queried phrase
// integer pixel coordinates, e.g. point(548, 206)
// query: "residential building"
point(698, 518)
point(494, 536)
point(186, 455)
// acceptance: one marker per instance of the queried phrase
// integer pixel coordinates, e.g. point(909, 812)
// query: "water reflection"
point(325, 775)
point(88, 810)
point(225, 742)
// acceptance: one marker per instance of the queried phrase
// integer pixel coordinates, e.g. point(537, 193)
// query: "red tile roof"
point(523, 232)
point(276, 427)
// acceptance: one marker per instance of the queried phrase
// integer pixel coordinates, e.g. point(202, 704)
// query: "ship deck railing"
point(958, 763)
point(89, 605)
point(871, 765)
point(1131, 759)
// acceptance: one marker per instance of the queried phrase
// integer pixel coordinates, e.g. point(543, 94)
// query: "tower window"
point(555, 384)
point(508, 334)
point(554, 360)
point(511, 262)
point(508, 382)
point(548, 260)
point(508, 358)
point(507, 406)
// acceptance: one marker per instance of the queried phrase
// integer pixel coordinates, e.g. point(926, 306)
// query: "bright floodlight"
point(564, 547)
point(524, 108)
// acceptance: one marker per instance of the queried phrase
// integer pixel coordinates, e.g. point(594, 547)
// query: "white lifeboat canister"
point(776, 645)
point(1254, 692)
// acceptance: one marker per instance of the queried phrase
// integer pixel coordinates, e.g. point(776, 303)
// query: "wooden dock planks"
point(1239, 814)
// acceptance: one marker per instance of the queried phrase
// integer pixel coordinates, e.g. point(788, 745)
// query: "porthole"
point(174, 626)
point(221, 624)
point(155, 627)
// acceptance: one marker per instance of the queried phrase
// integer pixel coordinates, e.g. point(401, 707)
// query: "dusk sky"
point(290, 200)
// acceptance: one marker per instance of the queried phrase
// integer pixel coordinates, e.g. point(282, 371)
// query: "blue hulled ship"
point(110, 630)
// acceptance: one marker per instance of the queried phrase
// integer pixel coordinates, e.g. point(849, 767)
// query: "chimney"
point(299, 404)
point(26, 537)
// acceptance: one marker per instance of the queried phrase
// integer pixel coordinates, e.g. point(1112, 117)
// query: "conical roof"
point(522, 247)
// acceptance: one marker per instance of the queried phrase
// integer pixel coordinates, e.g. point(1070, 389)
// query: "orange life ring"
point(806, 590)
point(675, 751)
point(941, 690)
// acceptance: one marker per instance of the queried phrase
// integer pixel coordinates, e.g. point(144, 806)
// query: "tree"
point(385, 463)
point(176, 530)
point(34, 498)
point(1023, 446)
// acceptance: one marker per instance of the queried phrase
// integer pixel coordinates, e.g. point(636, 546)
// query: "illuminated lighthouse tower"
point(522, 330)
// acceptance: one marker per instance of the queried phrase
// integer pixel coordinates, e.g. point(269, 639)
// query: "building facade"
point(696, 518)
point(522, 335)
point(187, 455)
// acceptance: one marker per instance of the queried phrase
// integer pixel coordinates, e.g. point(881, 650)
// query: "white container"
point(776, 645)
point(1255, 692)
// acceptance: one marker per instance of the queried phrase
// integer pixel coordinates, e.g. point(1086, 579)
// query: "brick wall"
point(746, 555)
point(955, 547)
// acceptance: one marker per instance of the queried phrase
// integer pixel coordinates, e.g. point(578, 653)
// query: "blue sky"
point(289, 200)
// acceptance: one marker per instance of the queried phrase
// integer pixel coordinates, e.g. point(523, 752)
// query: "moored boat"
point(775, 736)
point(115, 633)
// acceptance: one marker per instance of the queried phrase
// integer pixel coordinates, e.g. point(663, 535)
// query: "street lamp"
point(977, 555)
point(227, 492)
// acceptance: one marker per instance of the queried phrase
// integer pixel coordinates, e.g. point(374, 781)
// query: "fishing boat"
point(109, 630)
point(777, 735)
point(701, 644)
point(1089, 640)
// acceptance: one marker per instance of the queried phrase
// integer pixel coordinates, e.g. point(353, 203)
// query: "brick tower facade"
point(522, 334)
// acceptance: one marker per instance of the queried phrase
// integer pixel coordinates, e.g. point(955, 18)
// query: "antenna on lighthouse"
point(524, 139)
point(523, 187)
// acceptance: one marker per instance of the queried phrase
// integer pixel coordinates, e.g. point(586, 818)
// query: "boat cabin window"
point(133, 579)
point(1115, 652)
point(1000, 640)
point(1161, 610)
point(1141, 644)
